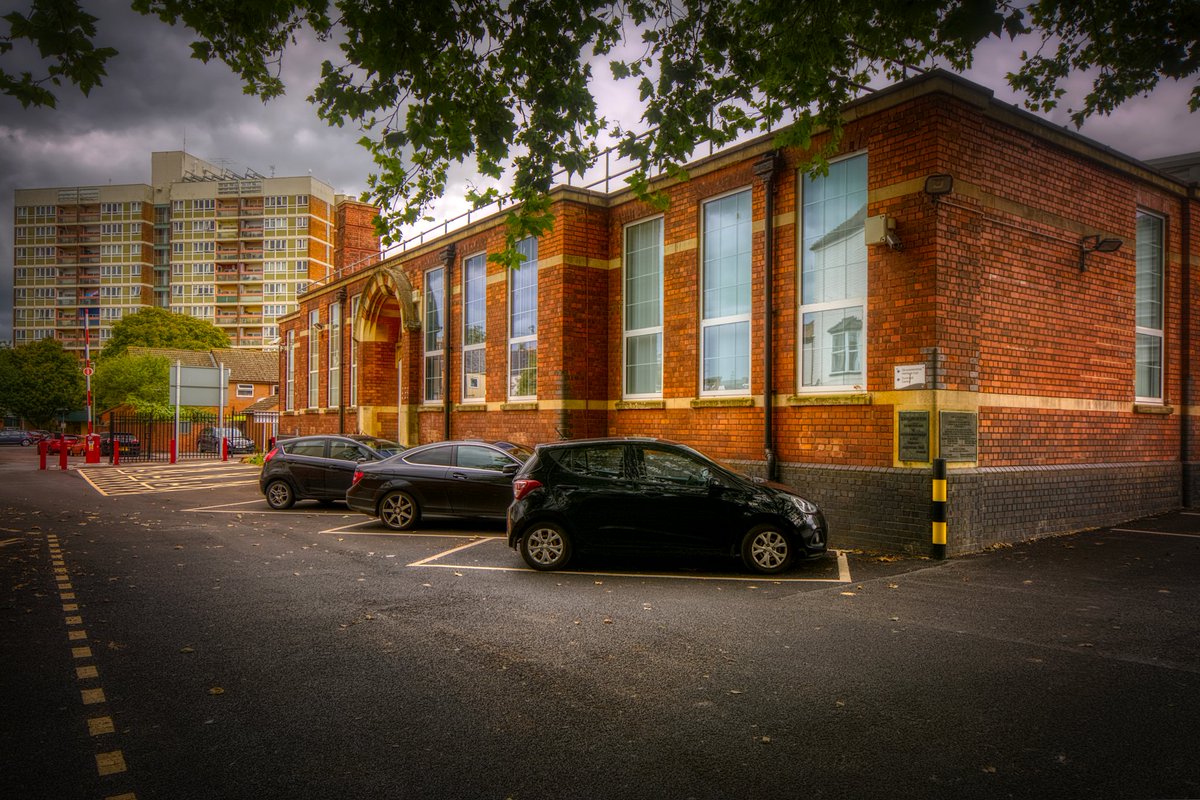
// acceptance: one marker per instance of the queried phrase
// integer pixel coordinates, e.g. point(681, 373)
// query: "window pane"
point(643, 364)
point(522, 376)
point(727, 256)
point(433, 309)
point(475, 299)
point(832, 342)
point(727, 357)
point(1149, 279)
point(1149, 366)
point(474, 374)
point(834, 252)
point(475, 457)
point(643, 275)
point(433, 378)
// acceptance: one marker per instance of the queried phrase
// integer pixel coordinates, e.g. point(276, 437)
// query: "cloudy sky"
point(157, 98)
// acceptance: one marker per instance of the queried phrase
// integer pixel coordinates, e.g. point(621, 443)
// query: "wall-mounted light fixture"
point(938, 185)
point(1096, 244)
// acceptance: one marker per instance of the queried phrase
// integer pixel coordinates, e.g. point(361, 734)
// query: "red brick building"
point(967, 282)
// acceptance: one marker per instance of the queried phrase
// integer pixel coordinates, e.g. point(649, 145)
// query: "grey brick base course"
point(888, 510)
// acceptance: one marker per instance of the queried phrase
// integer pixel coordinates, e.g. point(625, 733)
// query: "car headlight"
point(803, 506)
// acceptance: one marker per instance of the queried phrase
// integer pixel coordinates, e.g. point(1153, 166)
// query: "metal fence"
point(199, 435)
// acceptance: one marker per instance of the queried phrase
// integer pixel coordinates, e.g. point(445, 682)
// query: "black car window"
point(347, 451)
point(601, 461)
point(666, 466)
point(435, 456)
point(312, 449)
point(473, 456)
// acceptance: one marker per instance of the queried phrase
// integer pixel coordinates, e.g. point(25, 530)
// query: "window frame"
point(626, 332)
point(731, 319)
point(314, 358)
point(355, 303)
point(516, 376)
point(433, 355)
point(333, 366)
point(473, 261)
point(844, 304)
point(289, 403)
point(1141, 331)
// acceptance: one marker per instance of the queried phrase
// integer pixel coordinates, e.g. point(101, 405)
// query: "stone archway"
point(385, 313)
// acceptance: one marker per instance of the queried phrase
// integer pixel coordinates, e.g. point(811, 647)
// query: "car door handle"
point(458, 476)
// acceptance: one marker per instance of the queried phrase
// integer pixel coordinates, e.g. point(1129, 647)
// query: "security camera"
point(892, 240)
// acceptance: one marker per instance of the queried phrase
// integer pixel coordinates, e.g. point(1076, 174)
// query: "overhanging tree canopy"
point(157, 327)
point(509, 83)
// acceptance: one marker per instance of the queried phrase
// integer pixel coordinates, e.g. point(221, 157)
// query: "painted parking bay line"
point(842, 561)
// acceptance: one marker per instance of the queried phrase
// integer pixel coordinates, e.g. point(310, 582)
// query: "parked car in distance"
point(18, 436)
point(127, 442)
point(75, 445)
point(317, 467)
point(209, 440)
point(648, 496)
point(456, 478)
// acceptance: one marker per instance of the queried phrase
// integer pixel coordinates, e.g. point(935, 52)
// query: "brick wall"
point(986, 292)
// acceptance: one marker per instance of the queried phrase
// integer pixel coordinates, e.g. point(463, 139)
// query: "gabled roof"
point(245, 366)
point(269, 403)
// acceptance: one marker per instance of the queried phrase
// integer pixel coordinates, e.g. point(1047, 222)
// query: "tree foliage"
point(39, 380)
point(157, 327)
point(142, 382)
point(508, 84)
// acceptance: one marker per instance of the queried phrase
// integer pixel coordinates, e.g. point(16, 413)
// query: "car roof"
point(606, 440)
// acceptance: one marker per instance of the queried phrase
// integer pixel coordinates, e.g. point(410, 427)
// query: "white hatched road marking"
point(158, 478)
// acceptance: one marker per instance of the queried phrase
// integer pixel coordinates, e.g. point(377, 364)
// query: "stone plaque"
point(958, 436)
point(913, 436)
point(908, 376)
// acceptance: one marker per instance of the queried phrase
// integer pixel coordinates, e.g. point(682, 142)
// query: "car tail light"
point(358, 476)
point(271, 455)
point(523, 486)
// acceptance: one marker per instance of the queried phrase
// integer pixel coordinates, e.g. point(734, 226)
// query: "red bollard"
point(116, 451)
point(224, 449)
point(173, 451)
point(43, 446)
point(62, 454)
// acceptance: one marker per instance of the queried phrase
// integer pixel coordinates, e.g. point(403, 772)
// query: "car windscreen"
point(517, 451)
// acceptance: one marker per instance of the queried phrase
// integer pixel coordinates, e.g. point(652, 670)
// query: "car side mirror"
point(714, 485)
point(509, 469)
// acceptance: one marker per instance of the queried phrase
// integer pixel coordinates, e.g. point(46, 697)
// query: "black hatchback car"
point(456, 478)
point(651, 496)
point(318, 467)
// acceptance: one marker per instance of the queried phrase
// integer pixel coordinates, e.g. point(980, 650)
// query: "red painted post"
point(62, 453)
point(43, 446)
point(224, 449)
point(173, 452)
point(116, 450)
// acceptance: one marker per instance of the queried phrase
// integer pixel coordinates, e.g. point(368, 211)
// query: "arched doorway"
point(385, 313)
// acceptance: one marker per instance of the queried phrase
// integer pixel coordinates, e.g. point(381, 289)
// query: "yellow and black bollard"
point(939, 508)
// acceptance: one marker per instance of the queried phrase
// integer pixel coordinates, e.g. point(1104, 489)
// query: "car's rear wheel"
point(280, 495)
point(546, 546)
point(765, 549)
point(399, 511)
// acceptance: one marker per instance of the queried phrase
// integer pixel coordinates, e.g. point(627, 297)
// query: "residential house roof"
point(245, 366)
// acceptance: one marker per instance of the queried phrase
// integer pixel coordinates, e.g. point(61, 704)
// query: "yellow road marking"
point(76, 635)
point(98, 726)
point(110, 763)
point(81, 652)
point(92, 697)
point(74, 620)
point(83, 673)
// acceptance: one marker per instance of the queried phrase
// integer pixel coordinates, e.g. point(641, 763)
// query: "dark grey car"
point(318, 467)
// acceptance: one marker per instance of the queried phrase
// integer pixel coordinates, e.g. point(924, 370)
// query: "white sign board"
point(909, 376)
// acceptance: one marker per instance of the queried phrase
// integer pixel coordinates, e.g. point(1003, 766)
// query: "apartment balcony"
point(67, 217)
point(227, 272)
point(227, 299)
point(89, 216)
point(227, 254)
point(68, 322)
point(250, 341)
point(250, 296)
point(89, 301)
point(227, 234)
point(89, 280)
point(250, 319)
point(253, 253)
point(252, 231)
point(251, 275)
point(67, 280)
point(252, 210)
point(227, 212)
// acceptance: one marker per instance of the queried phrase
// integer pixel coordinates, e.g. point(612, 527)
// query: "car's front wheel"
point(765, 549)
point(546, 546)
point(280, 495)
point(399, 511)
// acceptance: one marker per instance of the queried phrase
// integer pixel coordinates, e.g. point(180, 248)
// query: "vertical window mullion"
point(434, 339)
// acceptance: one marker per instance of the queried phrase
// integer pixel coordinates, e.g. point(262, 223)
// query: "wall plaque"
point(913, 436)
point(958, 436)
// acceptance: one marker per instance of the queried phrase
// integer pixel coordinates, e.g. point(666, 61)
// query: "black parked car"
point(652, 496)
point(127, 442)
point(462, 479)
point(317, 467)
point(209, 440)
